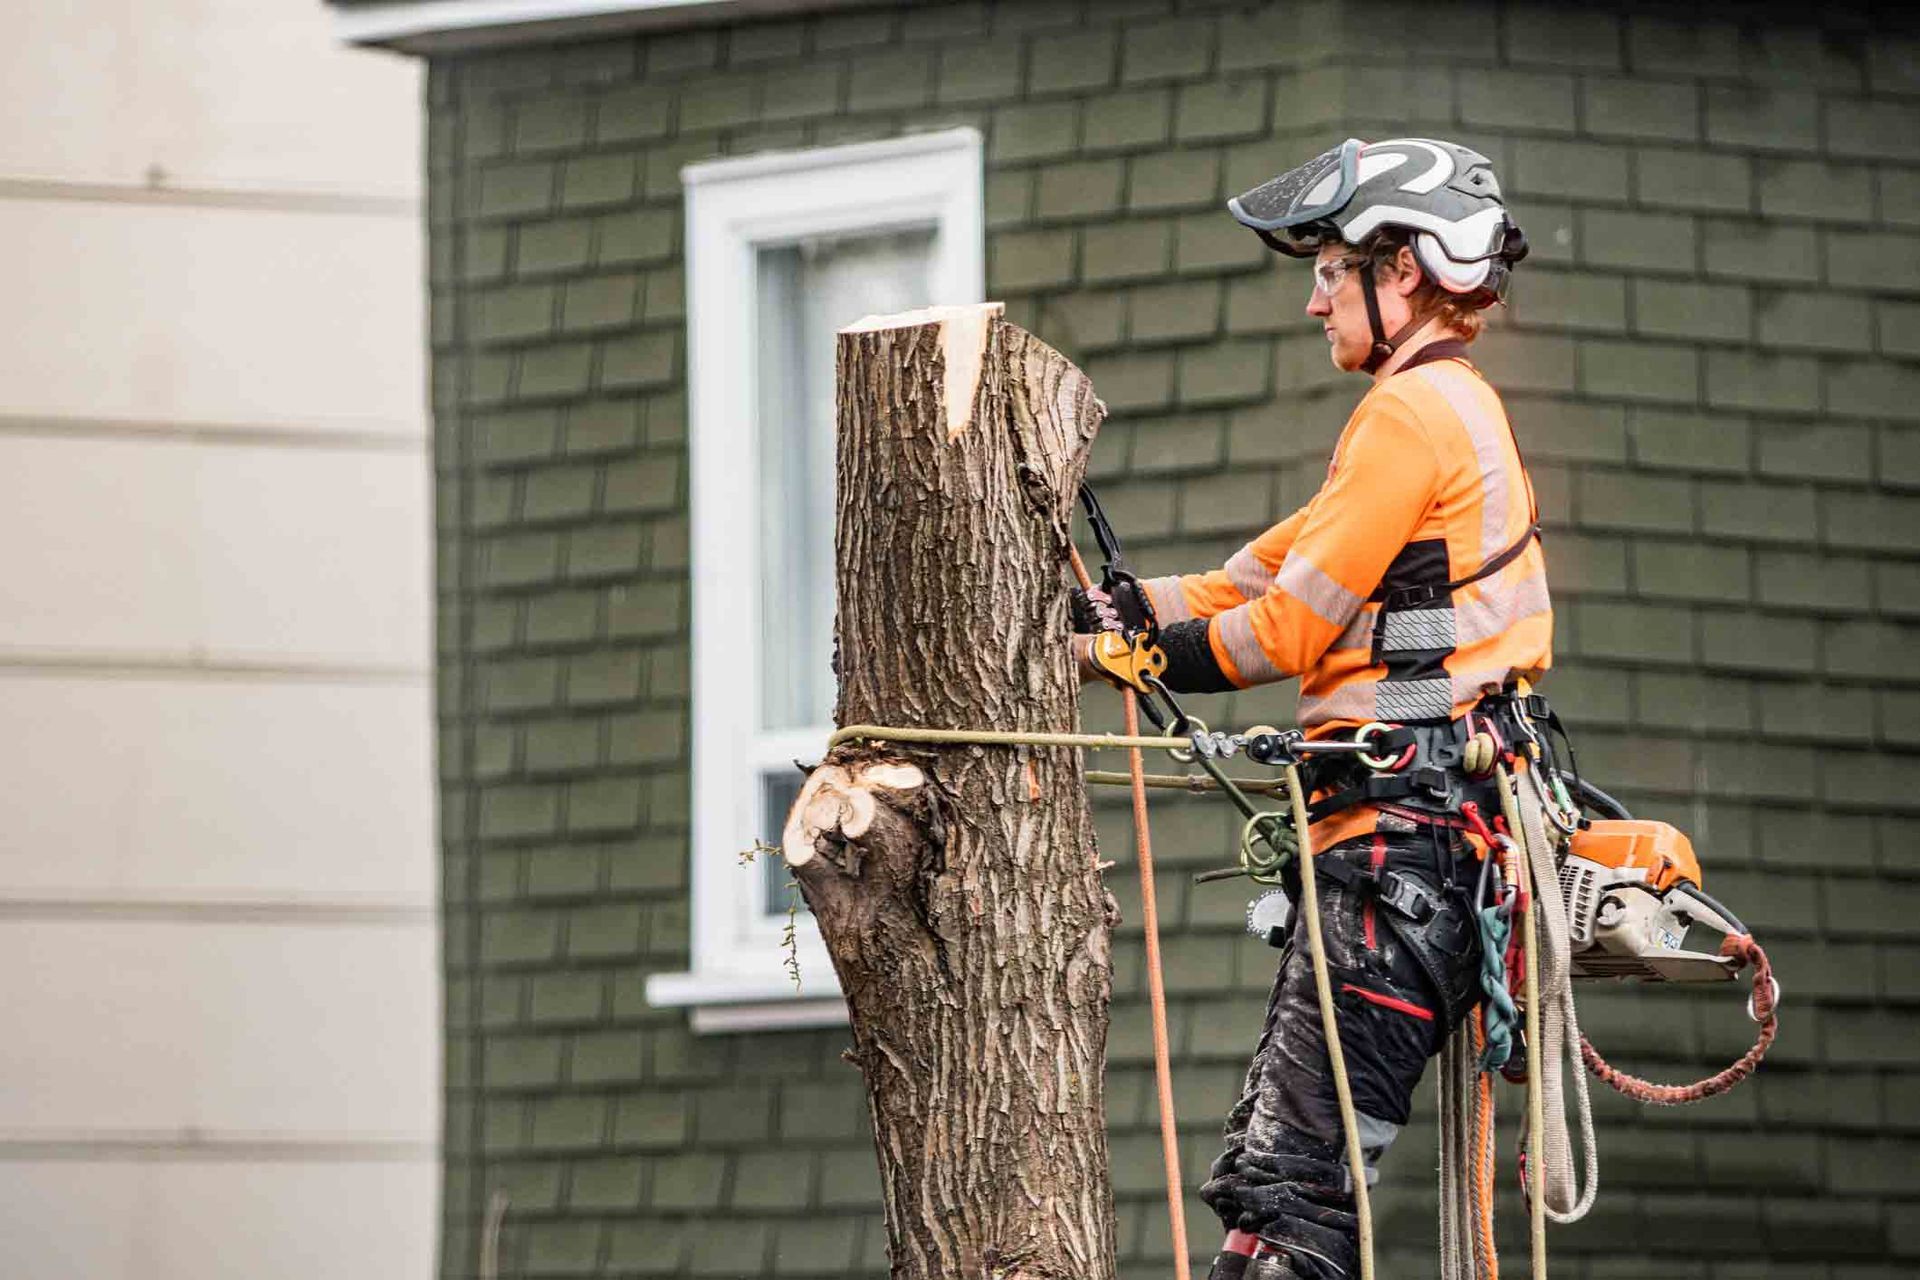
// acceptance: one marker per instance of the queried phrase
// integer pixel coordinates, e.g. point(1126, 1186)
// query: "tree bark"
point(956, 886)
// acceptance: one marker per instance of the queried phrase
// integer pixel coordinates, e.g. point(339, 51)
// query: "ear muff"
point(1454, 277)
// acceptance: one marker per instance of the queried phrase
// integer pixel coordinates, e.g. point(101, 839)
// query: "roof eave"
point(452, 26)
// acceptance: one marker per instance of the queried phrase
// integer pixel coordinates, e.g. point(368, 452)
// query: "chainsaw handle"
point(1723, 919)
point(1597, 800)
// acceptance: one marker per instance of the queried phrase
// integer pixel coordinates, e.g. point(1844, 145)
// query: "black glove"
point(1220, 1191)
point(1092, 610)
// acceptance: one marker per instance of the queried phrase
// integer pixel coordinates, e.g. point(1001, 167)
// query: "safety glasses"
point(1330, 275)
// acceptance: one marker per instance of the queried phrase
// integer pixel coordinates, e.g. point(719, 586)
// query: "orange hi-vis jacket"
point(1426, 487)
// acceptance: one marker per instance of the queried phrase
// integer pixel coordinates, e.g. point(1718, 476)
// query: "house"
point(217, 866)
point(647, 218)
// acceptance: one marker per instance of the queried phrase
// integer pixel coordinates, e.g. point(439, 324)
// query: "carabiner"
point(1195, 730)
point(1490, 873)
point(1773, 985)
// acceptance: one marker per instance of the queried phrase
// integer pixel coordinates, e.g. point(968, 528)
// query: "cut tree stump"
point(956, 886)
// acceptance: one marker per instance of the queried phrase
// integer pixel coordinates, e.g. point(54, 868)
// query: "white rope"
point(1323, 988)
point(1559, 1051)
point(1457, 1083)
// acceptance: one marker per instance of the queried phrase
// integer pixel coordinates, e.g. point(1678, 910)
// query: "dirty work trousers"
point(1283, 1175)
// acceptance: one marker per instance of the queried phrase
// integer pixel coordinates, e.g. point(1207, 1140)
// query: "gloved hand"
point(1092, 610)
point(1265, 1169)
point(1220, 1191)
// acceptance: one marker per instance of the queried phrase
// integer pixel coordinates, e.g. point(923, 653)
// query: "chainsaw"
point(1633, 891)
point(1632, 887)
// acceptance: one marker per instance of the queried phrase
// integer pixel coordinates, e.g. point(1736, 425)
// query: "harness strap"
point(1428, 784)
point(1392, 598)
point(1428, 592)
point(1413, 917)
point(1440, 781)
point(1395, 890)
point(1438, 349)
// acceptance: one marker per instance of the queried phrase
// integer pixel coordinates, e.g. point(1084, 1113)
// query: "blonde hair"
point(1431, 298)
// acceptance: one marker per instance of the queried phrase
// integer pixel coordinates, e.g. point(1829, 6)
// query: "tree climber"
point(1410, 590)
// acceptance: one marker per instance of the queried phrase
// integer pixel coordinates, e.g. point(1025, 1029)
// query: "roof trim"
point(446, 26)
point(761, 163)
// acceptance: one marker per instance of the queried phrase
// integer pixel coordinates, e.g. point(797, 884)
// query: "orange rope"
point(1483, 1144)
point(1735, 946)
point(1157, 997)
point(1156, 985)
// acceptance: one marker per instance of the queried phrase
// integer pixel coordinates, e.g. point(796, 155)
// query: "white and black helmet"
point(1443, 193)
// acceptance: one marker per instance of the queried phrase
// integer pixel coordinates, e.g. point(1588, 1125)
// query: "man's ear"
point(1409, 275)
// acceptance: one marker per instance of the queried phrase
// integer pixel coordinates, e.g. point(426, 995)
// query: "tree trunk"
point(956, 886)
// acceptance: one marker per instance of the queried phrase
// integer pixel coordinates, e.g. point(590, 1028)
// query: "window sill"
point(724, 1002)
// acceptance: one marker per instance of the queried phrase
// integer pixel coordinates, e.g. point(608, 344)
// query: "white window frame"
point(734, 207)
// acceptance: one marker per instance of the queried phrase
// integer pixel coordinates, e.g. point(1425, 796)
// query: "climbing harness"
point(1559, 895)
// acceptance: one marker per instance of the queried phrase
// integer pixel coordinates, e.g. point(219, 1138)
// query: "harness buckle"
point(1405, 895)
point(1437, 783)
point(1418, 594)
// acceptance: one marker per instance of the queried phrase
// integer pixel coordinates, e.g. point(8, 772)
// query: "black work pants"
point(1283, 1175)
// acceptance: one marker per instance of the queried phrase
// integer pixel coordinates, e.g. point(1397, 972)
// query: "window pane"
point(778, 792)
point(807, 291)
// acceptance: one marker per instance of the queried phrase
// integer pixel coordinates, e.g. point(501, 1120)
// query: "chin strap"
point(1383, 346)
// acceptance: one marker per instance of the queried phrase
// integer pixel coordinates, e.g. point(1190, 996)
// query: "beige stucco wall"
point(216, 846)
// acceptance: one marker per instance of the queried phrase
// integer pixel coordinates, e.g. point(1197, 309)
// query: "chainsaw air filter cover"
point(1654, 852)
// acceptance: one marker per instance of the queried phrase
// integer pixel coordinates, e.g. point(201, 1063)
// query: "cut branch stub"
point(956, 886)
point(835, 803)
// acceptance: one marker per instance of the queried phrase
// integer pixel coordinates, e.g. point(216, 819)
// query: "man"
point(1410, 591)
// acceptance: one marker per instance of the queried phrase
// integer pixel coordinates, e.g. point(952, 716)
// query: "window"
point(784, 249)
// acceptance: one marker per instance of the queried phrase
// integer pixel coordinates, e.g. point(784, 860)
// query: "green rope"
point(1270, 827)
point(1190, 782)
point(1263, 826)
point(994, 738)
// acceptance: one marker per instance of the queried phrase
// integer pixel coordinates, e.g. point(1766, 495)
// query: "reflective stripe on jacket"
point(1426, 486)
